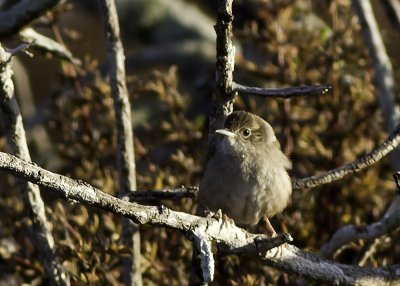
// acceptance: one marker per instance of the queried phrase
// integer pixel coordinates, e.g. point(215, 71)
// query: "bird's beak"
point(225, 132)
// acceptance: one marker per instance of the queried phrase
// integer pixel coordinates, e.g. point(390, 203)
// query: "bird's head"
point(248, 129)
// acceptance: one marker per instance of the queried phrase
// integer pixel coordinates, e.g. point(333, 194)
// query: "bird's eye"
point(246, 132)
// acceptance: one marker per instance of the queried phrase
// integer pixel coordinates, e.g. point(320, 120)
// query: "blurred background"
point(170, 60)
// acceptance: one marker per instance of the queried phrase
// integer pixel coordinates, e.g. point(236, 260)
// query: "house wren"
point(246, 171)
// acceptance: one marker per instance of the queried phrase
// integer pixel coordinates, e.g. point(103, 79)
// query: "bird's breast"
point(245, 189)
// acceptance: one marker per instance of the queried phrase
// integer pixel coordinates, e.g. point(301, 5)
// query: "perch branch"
point(288, 258)
point(125, 152)
point(282, 92)
point(365, 161)
point(42, 236)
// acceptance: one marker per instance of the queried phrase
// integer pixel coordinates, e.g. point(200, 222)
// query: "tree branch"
point(282, 92)
point(21, 14)
point(373, 232)
point(42, 236)
point(223, 104)
point(350, 233)
point(46, 44)
point(365, 161)
point(383, 71)
point(289, 258)
point(125, 152)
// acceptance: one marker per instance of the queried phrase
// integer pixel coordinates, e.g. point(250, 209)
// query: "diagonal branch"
point(367, 160)
point(46, 44)
point(372, 233)
point(289, 258)
point(350, 233)
point(287, 92)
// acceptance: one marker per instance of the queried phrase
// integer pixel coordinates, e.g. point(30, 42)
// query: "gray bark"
point(125, 152)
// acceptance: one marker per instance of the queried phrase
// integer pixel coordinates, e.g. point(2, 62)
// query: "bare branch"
point(349, 233)
point(48, 45)
point(373, 233)
point(367, 160)
point(42, 236)
point(166, 194)
point(385, 82)
point(282, 92)
point(383, 71)
point(125, 152)
point(23, 48)
point(225, 95)
point(21, 14)
point(222, 105)
point(288, 258)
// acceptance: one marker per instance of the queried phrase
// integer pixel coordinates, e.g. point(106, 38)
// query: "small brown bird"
point(246, 172)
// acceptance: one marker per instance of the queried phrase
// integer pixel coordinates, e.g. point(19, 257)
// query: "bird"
point(246, 173)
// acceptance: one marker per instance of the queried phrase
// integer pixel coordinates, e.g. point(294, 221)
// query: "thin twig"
point(22, 48)
point(282, 92)
point(367, 251)
point(157, 195)
point(365, 161)
point(48, 45)
point(125, 152)
point(288, 258)
point(42, 236)
point(7, 54)
point(265, 244)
